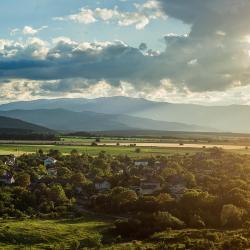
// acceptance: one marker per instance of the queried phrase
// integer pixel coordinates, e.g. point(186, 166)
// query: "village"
point(142, 195)
point(148, 184)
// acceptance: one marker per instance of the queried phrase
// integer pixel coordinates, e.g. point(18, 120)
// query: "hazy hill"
point(107, 105)
point(234, 118)
point(10, 124)
point(60, 119)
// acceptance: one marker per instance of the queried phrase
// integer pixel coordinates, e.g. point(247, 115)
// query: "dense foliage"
point(204, 190)
point(27, 134)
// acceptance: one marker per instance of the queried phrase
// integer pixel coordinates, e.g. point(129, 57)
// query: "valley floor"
point(19, 149)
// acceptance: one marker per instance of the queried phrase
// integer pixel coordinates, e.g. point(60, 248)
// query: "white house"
point(7, 178)
point(49, 162)
point(143, 163)
point(177, 190)
point(52, 171)
point(149, 187)
point(102, 185)
point(11, 161)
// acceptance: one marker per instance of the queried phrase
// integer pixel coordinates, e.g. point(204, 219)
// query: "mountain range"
point(67, 120)
point(125, 113)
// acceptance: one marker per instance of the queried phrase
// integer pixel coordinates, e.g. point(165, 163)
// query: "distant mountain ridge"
point(233, 118)
point(107, 105)
point(66, 120)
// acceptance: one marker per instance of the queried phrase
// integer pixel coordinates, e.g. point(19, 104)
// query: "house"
point(49, 162)
point(52, 171)
point(149, 187)
point(10, 161)
point(40, 176)
point(78, 189)
point(135, 188)
point(177, 190)
point(139, 163)
point(7, 178)
point(102, 185)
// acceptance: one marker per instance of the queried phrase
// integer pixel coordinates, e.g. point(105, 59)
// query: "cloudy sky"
point(189, 51)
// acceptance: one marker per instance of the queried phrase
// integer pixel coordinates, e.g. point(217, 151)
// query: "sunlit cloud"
point(140, 17)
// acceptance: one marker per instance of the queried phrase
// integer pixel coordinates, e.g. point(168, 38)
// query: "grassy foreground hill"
point(91, 232)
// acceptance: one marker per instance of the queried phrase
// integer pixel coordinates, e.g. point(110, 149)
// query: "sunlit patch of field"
point(92, 233)
point(46, 234)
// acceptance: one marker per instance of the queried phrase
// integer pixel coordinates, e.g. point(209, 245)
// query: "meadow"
point(51, 234)
point(92, 232)
point(144, 151)
point(18, 149)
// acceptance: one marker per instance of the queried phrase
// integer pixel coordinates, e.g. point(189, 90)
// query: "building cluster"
point(147, 185)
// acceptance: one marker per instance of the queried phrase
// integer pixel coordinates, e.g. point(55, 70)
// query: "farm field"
point(18, 149)
point(124, 148)
point(164, 137)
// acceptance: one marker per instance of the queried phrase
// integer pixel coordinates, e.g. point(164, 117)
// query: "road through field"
point(176, 145)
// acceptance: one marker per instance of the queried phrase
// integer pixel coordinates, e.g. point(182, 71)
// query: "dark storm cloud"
point(207, 16)
point(214, 55)
point(114, 62)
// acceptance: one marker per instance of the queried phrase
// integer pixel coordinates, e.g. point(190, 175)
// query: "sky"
point(181, 51)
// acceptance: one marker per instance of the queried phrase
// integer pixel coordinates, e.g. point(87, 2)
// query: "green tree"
point(122, 197)
point(23, 180)
point(78, 178)
point(232, 216)
point(57, 194)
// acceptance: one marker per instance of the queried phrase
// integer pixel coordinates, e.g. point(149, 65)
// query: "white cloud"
point(106, 14)
point(140, 17)
point(14, 31)
point(33, 47)
point(85, 16)
point(193, 62)
point(24, 89)
point(27, 30)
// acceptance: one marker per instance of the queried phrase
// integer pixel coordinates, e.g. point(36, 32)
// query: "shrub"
point(231, 216)
point(94, 241)
point(75, 245)
point(127, 227)
point(236, 243)
point(197, 222)
point(145, 224)
point(165, 220)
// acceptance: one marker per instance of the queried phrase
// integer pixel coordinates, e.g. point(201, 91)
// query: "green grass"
point(94, 150)
point(18, 149)
point(127, 140)
point(44, 234)
point(205, 138)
